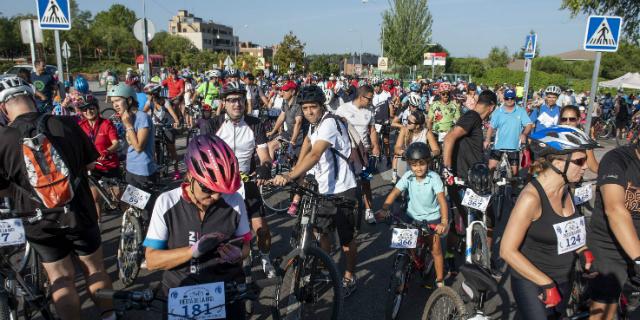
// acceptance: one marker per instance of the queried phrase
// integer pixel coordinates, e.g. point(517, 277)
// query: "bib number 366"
point(200, 302)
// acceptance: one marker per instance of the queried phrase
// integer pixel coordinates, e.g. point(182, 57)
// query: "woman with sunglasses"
point(102, 133)
point(415, 131)
point(545, 234)
point(570, 116)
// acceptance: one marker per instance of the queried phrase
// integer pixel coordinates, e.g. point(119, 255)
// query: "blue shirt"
point(423, 195)
point(509, 126)
point(141, 163)
point(545, 117)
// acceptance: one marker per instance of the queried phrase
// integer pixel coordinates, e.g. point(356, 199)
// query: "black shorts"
point(169, 135)
point(512, 156)
point(253, 200)
point(82, 242)
point(109, 174)
point(341, 219)
point(613, 271)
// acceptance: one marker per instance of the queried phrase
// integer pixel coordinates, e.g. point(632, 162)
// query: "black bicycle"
point(278, 199)
point(109, 190)
point(163, 158)
point(311, 285)
point(24, 286)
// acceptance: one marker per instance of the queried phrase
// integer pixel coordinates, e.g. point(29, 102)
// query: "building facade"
point(255, 50)
point(205, 35)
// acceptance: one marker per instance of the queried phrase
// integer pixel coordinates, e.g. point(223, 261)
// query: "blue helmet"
point(560, 140)
point(414, 87)
point(82, 85)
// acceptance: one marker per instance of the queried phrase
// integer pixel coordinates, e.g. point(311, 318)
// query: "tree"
point(473, 66)
point(164, 43)
point(10, 40)
point(629, 10)
point(407, 31)
point(291, 49)
point(498, 58)
point(112, 28)
point(320, 65)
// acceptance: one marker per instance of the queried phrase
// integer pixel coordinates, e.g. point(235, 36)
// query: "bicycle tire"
point(38, 281)
point(479, 247)
point(579, 294)
point(436, 308)
point(289, 289)
point(129, 255)
point(6, 312)
point(276, 199)
point(397, 287)
point(107, 113)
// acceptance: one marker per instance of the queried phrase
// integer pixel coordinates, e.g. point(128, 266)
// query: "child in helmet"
point(427, 202)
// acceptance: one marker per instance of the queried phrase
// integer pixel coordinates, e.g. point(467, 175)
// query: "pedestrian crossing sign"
point(54, 14)
point(603, 33)
point(530, 46)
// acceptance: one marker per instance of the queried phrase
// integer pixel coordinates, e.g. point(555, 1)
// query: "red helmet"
point(206, 107)
point(212, 163)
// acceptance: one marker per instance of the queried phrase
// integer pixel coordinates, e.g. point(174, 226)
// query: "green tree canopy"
point(629, 10)
point(498, 58)
point(291, 49)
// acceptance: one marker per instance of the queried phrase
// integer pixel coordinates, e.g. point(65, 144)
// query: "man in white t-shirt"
point(325, 150)
point(360, 115)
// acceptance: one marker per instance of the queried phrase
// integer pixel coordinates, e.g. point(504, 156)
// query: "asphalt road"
point(373, 269)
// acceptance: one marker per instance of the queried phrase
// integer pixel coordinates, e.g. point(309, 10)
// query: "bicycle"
point(310, 275)
point(503, 176)
point(106, 188)
point(407, 261)
point(163, 158)
point(278, 199)
point(124, 300)
point(24, 286)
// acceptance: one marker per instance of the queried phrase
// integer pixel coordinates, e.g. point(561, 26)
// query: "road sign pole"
point(66, 61)
point(32, 44)
point(527, 75)
point(594, 88)
point(59, 61)
point(433, 68)
point(145, 44)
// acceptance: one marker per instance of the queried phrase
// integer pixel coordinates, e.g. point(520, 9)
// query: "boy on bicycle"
point(427, 202)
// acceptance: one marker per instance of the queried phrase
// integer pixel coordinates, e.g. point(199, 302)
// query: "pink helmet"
point(212, 163)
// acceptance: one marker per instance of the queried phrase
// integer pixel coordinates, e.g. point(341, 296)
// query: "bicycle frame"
point(469, 240)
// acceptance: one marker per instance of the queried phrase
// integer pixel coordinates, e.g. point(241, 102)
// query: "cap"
point(510, 94)
point(288, 86)
point(472, 86)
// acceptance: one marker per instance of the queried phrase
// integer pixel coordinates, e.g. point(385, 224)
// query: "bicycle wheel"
point(107, 113)
point(129, 248)
point(311, 288)
point(276, 198)
point(36, 278)
point(444, 304)
point(397, 286)
point(579, 295)
point(6, 312)
point(479, 247)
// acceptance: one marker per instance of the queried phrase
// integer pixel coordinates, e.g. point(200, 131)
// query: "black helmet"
point(479, 179)
point(311, 93)
point(417, 151)
point(233, 87)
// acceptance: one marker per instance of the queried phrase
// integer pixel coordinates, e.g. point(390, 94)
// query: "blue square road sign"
point(530, 46)
point(603, 33)
point(54, 14)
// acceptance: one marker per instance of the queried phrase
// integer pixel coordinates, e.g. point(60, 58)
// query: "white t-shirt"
point(278, 103)
point(332, 180)
point(380, 98)
point(188, 89)
point(360, 119)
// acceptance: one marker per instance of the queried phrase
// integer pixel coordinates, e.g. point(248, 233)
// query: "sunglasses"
point(368, 98)
point(569, 119)
point(232, 100)
point(203, 188)
point(579, 162)
point(509, 99)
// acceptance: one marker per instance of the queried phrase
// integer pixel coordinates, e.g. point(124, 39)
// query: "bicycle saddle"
point(478, 278)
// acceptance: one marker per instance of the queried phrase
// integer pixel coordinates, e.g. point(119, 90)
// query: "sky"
point(466, 28)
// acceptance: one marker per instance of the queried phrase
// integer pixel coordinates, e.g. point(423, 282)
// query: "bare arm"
point(173, 113)
point(167, 259)
point(487, 139)
point(592, 162)
point(620, 219)
point(278, 124)
point(526, 210)
point(137, 139)
point(398, 147)
point(391, 197)
point(433, 144)
point(397, 123)
point(310, 159)
point(297, 127)
point(305, 149)
point(449, 142)
point(375, 144)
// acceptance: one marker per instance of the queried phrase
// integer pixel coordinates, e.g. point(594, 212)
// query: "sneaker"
point(267, 267)
point(293, 209)
point(177, 176)
point(369, 217)
point(349, 285)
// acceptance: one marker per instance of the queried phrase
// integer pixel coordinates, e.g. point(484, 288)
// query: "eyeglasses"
point(203, 188)
point(368, 98)
point(568, 119)
point(233, 100)
point(579, 162)
point(411, 122)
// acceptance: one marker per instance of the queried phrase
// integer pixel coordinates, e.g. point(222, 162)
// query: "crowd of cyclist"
point(342, 131)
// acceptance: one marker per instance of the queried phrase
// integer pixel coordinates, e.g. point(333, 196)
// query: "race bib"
point(583, 194)
point(11, 232)
point(441, 136)
point(571, 235)
point(199, 302)
point(135, 197)
point(475, 201)
point(404, 238)
point(378, 127)
point(546, 120)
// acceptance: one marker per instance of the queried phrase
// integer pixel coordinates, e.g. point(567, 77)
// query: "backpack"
point(47, 171)
point(357, 159)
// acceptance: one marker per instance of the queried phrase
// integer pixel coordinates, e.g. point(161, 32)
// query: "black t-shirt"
point(76, 150)
point(44, 83)
point(468, 149)
point(620, 166)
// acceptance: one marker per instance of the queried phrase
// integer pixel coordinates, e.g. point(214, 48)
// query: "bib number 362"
point(571, 235)
point(199, 302)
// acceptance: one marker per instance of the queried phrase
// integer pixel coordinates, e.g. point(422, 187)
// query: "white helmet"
point(12, 87)
point(553, 89)
point(215, 73)
point(414, 99)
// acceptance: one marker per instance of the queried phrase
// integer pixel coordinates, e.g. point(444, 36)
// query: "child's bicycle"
point(413, 255)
